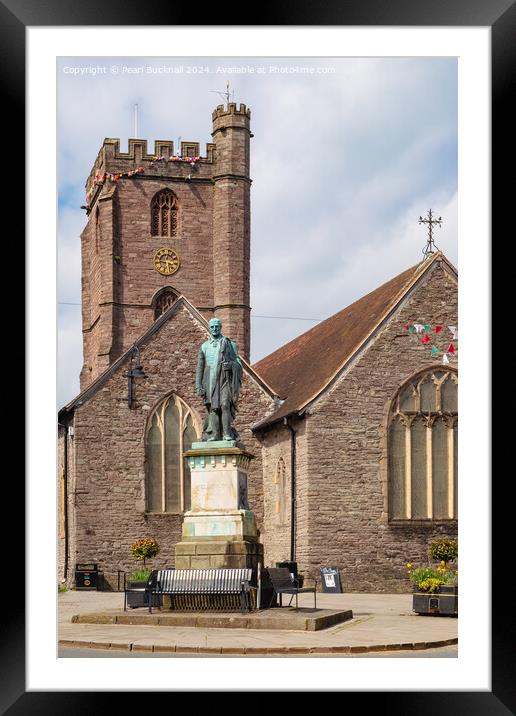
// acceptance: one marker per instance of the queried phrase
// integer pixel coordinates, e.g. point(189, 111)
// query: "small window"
point(281, 502)
point(164, 215)
point(163, 301)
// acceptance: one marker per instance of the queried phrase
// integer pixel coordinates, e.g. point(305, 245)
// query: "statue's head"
point(215, 325)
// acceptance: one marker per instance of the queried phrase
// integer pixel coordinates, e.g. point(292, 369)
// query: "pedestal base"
point(219, 530)
point(218, 553)
point(229, 524)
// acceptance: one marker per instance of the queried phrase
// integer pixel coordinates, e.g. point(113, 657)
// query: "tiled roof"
point(301, 369)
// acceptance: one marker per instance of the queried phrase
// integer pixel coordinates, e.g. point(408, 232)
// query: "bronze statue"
point(217, 381)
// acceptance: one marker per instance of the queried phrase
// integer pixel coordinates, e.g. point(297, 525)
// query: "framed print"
point(30, 28)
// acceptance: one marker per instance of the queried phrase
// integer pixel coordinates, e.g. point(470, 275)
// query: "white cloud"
point(342, 167)
point(69, 355)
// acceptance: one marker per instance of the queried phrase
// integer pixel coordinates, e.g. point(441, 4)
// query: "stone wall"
point(276, 536)
point(347, 522)
point(60, 504)
point(119, 281)
point(109, 448)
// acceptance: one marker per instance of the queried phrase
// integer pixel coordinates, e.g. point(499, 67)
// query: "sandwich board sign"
point(331, 579)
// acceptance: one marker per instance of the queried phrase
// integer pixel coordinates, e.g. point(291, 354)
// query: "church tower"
point(163, 225)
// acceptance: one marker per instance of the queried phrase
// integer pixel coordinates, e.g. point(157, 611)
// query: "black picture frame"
point(500, 16)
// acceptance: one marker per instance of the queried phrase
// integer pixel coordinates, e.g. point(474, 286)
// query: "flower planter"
point(443, 602)
point(139, 599)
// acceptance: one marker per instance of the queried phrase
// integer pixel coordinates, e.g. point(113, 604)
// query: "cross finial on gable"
point(430, 244)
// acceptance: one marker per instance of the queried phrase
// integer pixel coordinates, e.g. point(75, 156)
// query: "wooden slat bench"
point(203, 589)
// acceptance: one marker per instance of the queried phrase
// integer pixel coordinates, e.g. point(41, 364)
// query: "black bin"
point(86, 576)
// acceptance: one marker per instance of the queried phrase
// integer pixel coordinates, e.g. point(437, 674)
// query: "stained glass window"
point(164, 214)
point(172, 429)
point(422, 449)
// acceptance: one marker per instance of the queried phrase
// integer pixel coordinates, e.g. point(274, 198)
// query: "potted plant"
point(435, 585)
point(142, 550)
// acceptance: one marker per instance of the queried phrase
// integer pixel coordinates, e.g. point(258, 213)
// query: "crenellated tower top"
point(167, 161)
point(164, 220)
point(221, 110)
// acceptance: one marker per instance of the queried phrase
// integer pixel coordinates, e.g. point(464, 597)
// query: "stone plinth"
point(305, 619)
point(219, 530)
point(199, 553)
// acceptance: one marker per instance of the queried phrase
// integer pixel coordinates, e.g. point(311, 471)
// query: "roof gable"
point(301, 370)
point(181, 302)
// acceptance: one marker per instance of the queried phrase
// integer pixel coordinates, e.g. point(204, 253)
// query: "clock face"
point(166, 261)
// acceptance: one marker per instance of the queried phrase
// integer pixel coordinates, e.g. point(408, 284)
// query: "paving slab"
point(380, 622)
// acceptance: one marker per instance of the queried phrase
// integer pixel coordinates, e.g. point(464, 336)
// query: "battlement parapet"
point(163, 149)
point(113, 164)
point(166, 161)
point(221, 111)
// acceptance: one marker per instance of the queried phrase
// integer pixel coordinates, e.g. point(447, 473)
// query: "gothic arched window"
point(163, 301)
point(172, 428)
point(422, 448)
point(164, 214)
point(281, 503)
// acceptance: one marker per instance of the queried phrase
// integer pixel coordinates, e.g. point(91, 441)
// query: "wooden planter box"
point(443, 602)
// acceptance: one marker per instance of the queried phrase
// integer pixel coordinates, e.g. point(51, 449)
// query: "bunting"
point(423, 330)
point(190, 160)
point(101, 179)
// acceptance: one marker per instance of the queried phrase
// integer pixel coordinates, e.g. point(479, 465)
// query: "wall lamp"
point(132, 373)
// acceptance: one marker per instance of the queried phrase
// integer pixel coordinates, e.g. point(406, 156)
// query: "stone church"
point(352, 425)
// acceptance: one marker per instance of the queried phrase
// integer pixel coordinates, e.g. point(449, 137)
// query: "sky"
point(347, 154)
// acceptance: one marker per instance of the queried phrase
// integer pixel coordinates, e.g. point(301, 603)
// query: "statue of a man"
point(217, 380)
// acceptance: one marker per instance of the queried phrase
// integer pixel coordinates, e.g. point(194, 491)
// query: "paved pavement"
point(381, 623)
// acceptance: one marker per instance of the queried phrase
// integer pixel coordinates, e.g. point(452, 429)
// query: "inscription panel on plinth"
point(218, 488)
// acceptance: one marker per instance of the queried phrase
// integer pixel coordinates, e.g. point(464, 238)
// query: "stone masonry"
point(119, 281)
point(342, 498)
point(341, 477)
point(107, 500)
